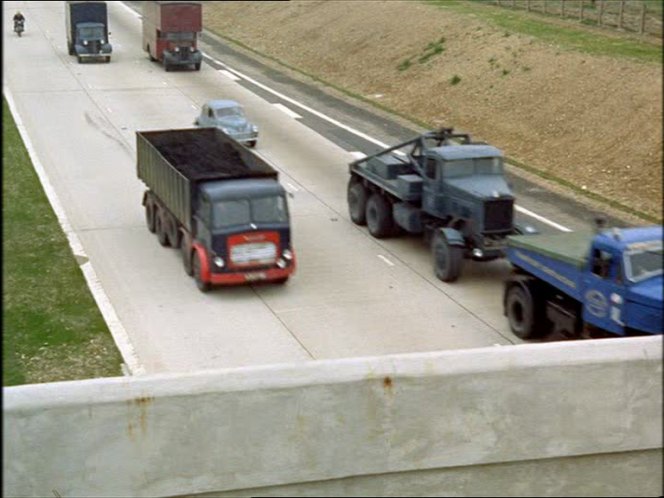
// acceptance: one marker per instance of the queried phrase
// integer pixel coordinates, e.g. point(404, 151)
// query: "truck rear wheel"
point(379, 216)
point(357, 202)
point(162, 236)
point(198, 277)
point(149, 217)
point(520, 307)
point(447, 259)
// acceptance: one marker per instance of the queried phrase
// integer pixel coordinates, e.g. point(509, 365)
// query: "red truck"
point(170, 33)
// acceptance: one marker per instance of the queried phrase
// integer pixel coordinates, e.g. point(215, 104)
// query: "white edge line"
point(359, 133)
point(228, 74)
point(386, 260)
point(542, 219)
point(108, 312)
point(293, 187)
point(287, 111)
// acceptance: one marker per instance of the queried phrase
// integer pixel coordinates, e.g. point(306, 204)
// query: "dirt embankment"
point(594, 121)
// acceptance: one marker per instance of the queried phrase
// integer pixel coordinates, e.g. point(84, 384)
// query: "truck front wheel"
point(447, 259)
point(196, 263)
point(520, 308)
point(197, 66)
point(379, 216)
point(357, 202)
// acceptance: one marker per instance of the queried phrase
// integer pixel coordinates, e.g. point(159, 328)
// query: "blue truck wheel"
point(447, 258)
point(357, 202)
point(379, 216)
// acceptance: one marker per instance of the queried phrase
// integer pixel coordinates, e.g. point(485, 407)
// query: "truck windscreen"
point(270, 209)
point(468, 167)
point(640, 265)
point(91, 32)
point(185, 36)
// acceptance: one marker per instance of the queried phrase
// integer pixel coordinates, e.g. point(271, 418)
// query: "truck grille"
point(498, 215)
point(258, 253)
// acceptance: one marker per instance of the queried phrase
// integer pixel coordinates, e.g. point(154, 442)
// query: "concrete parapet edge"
point(214, 431)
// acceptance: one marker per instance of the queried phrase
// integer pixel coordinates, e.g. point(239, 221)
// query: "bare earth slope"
point(595, 121)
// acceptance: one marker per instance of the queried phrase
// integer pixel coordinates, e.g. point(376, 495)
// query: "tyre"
point(379, 216)
point(149, 217)
point(357, 202)
point(520, 307)
point(172, 231)
point(79, 59)
point(107, 59)
point(197, 66)
point(198, 277)
point(70, 48)
point(152, 59)
point(251, 143)
point(162, 236)
point(185, 251)
point(447, 259)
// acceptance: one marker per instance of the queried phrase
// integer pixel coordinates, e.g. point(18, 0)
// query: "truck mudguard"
point(453, 237)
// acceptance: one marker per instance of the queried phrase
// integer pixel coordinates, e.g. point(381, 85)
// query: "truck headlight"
point(85, 42)
point(219, 261)
point(191, 49)
point(254, 128)
point(477, 252)
point(282, 263)
point(287, 255)
point(176, 49)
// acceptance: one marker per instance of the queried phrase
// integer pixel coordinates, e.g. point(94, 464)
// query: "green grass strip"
point(571, 38)
point(52, 329)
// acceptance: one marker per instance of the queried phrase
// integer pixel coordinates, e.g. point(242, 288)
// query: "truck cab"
point(87, 30)
point(622, 284)
point(244, 225)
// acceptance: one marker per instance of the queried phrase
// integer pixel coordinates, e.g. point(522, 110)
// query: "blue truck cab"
point(580, 283)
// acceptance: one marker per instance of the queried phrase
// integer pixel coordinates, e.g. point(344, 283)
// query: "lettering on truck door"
point(603, 295)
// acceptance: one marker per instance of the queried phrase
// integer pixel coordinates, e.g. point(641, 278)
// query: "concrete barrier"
point(577, 418)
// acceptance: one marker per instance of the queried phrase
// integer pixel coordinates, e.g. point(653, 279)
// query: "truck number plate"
point(256, 275)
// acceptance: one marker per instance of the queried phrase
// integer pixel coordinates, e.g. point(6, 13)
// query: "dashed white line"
point(357, 154)
point(387, 261)
point(293, 187)
point(194, 106)
point(286, 110)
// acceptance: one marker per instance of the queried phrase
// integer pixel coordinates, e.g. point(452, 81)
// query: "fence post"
point(581, 12)
point(528, 5)
point(545, 11)
point(601, 11)
point(620, 16)
point(643, 18)
point(513, 4)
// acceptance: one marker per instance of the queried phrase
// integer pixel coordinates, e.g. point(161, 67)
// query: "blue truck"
point(87, 30)
point(606, 282)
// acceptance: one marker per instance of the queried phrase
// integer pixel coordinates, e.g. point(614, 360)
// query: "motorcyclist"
point(18, 18)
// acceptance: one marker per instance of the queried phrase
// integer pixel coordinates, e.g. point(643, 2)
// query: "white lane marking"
point(542, 219)
point(109, 109)
point(285, 109)
point(357, 154)
point(118, 332)
point(389, 263)
point(356, 132)
point(194, 106)
point(164, 83)
point(293, 187)
point(228, 74)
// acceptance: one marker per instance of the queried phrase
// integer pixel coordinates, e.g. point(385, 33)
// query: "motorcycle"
point(19, 27)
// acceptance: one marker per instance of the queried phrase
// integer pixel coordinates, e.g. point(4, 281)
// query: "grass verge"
point(546, 176)
point(571, 38)
point(52, 329)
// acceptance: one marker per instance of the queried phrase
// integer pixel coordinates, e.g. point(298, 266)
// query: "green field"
point(572, 36)
point(52, 329)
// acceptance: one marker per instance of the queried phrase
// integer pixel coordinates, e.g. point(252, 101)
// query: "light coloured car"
point(229, 117)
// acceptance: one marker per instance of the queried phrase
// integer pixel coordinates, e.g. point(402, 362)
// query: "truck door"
point(604, 291)
point(202, 220)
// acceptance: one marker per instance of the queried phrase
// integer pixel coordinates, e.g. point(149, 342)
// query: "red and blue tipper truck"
point(218, 202)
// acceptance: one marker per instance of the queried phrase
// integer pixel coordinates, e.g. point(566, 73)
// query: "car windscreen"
point(270, 209)
point(643, 264)
point(229, 111)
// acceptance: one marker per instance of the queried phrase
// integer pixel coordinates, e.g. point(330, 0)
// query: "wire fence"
point(637, 16)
